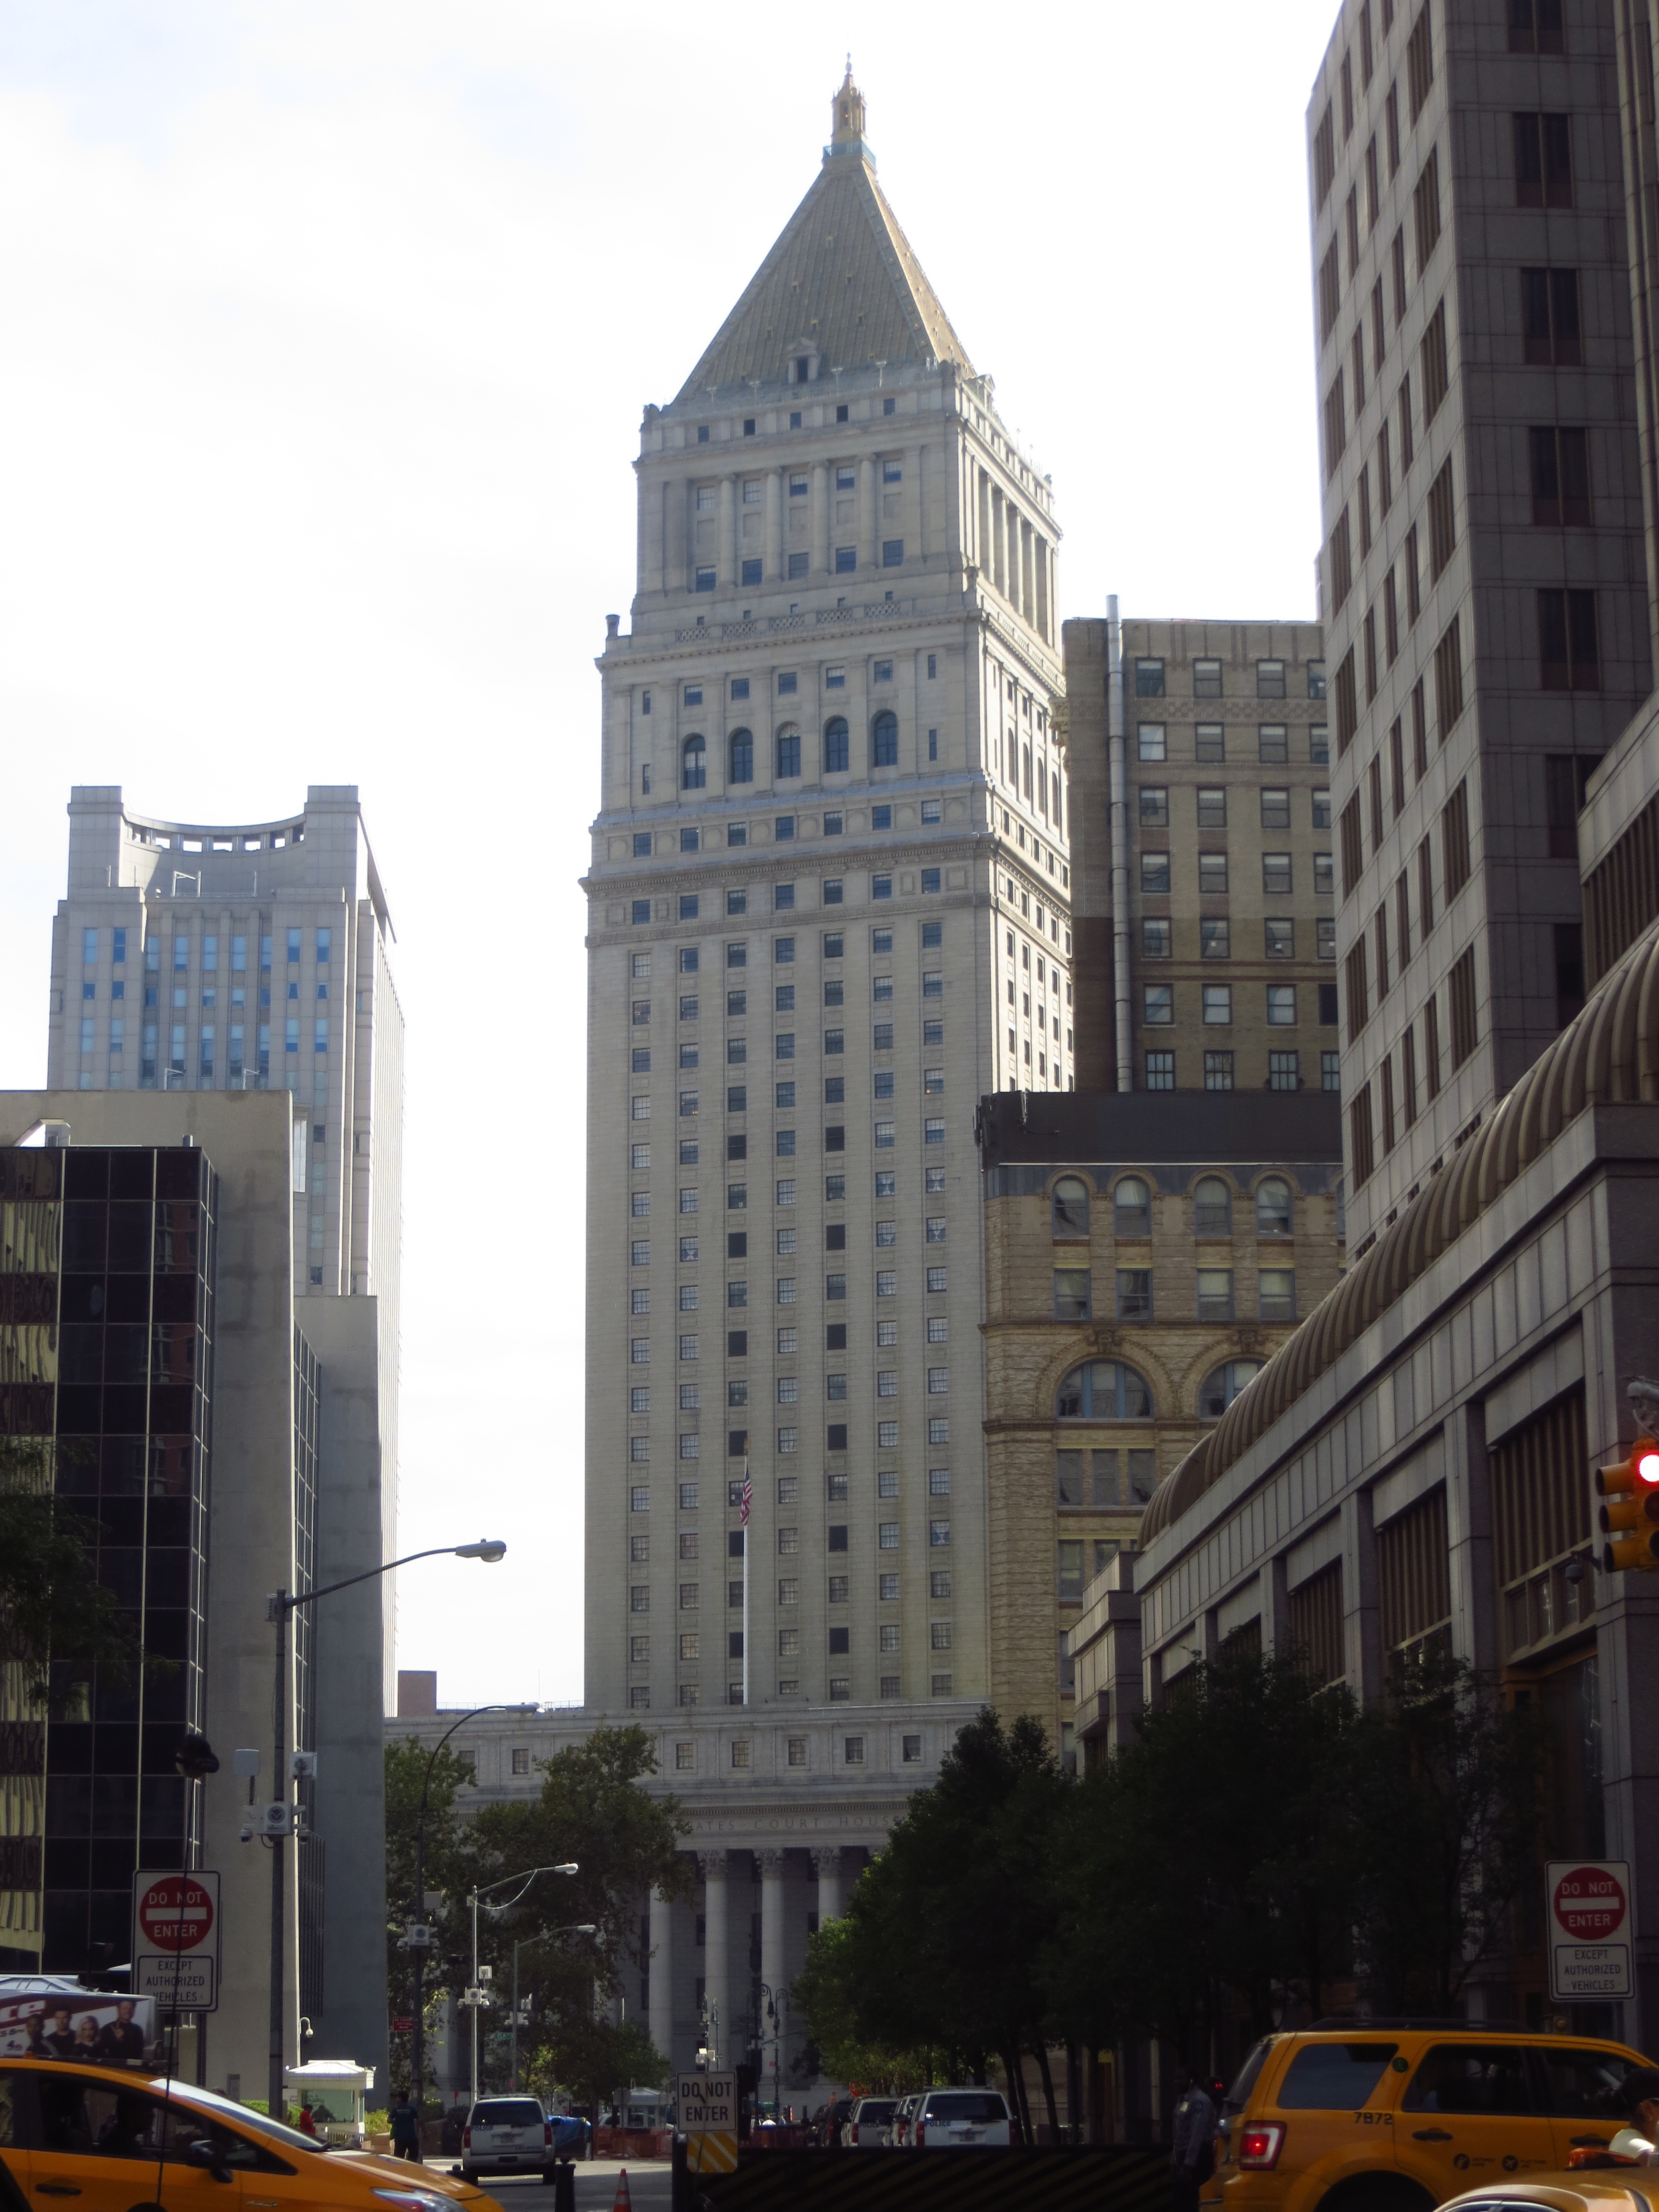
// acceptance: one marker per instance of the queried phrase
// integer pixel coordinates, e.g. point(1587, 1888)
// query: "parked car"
point(84, 2132)
point(1397, 2116)
point(871, 2118)
point(949, 2119)
point(507, 2135)
point(898, 2127)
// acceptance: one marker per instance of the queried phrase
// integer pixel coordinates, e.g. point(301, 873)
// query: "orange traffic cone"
point(624, 2202)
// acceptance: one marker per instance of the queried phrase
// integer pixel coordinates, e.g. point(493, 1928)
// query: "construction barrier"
point(1107, 2179)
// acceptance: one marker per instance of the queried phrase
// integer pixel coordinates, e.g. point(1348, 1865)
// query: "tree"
point(447, 1872)
point(58, 1624)
point(1446, 1792)
point(595, 2058)
point(827, 1993)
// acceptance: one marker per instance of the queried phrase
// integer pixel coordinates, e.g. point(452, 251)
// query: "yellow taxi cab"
point(96, 2139)
point(1394, 2116)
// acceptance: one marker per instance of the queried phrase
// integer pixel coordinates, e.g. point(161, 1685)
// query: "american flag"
point(748, 1495)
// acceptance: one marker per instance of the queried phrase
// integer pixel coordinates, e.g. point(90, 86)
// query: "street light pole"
point(280, 1605)
point(475, 1994)
point(576, 1927)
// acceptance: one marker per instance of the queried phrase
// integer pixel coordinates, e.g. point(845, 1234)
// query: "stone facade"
point(1224, 1218)
point(1230, 951)
point(1483, 575)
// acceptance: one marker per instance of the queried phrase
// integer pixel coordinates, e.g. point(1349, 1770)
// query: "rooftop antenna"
point(880, 365)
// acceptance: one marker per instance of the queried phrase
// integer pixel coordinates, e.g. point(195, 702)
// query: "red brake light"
point(855, 2132)
point(921, 2133)
point(1259, 2147)
point(1647, 1466)
point(466, 2138)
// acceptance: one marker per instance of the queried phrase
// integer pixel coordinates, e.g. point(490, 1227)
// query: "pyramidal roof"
point(842, 281)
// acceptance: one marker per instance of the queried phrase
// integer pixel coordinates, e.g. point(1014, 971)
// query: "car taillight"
point(921, 2133)
point(466, 2138)
point(547, 2132)
point(855, 2132)
point(1259, 2147)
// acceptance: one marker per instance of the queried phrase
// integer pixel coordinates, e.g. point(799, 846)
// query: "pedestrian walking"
point(1192, 2149)
point(404, 2123)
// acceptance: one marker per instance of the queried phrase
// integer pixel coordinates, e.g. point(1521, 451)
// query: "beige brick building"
point(1143, 1257)
point(1208, 963)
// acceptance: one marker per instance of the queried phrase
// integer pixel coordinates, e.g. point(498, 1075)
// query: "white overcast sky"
point(327, 328)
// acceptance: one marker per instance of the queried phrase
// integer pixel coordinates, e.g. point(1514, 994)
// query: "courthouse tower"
point(828, 910)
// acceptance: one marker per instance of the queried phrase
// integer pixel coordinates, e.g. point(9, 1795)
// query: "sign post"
point(709, 2120)
point(1587, 1904)
point(175, 1940)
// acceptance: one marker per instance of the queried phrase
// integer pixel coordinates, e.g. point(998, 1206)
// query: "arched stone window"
point(743, 756)
point(1071, 1206)
point(1212, 1207)
point(789, 750)
point(1103, 1390)
point(883, 739)
point(694, 771)
point(1221, 1385)
point(837, 752)
point(1273, 1207)
point(1131, 1207)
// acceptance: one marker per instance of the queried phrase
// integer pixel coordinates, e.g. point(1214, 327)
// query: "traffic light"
point(1629, 1513)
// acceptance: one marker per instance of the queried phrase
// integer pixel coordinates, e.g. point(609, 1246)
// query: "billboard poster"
point(41, 2018)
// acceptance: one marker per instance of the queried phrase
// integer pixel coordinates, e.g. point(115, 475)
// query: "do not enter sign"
point(1589, 1904)
point(175, 1913)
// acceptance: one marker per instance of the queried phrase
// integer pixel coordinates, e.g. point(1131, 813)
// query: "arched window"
point(836, 751)
point(1212, 1207)
point(1071, 1206)
point(1273, 1207)
point(1221, 1385)
point(743, 756)
point(789, 750)
point(1132, 1208)
point(694, 773)
point(1103, 1390)
point(883, 739)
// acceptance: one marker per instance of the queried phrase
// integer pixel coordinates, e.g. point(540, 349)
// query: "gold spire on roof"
point(847, 110)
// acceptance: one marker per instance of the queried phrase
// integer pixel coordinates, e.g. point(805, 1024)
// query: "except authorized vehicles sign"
point(709, 2117)
point(1588, 1904)
point(175, 1940)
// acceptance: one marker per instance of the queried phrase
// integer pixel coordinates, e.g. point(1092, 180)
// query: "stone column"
point(662, 1974)
point(678, 502)
point(717, 1957)
point(820, 524)
point(913, 460)
point(773, 1969)
point(775, 563)
point(828, 1863)
point(726, 580)
point(999, 543)
point(867, 497)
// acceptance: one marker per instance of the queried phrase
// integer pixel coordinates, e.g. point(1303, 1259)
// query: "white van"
point(947, 2119)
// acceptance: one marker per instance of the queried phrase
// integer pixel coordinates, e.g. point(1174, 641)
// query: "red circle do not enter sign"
point(1590, 1904)
point(175, 1913)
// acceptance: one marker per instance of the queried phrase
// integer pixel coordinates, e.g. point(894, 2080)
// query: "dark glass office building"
point(106, 1314)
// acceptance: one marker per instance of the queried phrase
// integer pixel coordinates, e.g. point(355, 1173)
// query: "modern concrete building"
point(221, 1426)
point(828, 911)
point(1143, 1258)
point(252, 956)
point(1202, 896)
point(1485, 589)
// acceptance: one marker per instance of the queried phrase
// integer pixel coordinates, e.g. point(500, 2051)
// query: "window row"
point(1211, 807)
point(844, 561)
point(1157, 1004)
point(935, 1230)
point(1111, 1390)
point(1215, 939)
point(1387, 1102)
point(787, 684)
point(1131, 1298)
point(1271, 680)
point(835, 755)
point(1383, 952)
point(736, 837)
point(687, 1647)
point(1284, 1067)
point(204, 951)
point(788, 1493)
point(1131, 1200)
point(1273, 741)
point(1277, 874)
point(786, 1290)
point(840, 1691)
point(832, 891)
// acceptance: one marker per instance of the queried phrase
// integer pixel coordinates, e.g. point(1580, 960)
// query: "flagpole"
point(747, 1494)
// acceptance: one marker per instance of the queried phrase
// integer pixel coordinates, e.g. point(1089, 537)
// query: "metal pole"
point(417, 2038)
point(513, 2076)
point(473, 1994)
point(273, 2087)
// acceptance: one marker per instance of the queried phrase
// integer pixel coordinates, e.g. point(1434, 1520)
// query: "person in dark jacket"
point(405, 2125)
point(1192, 2147)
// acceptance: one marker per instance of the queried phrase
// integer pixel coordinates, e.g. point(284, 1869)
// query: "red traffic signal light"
point(1629, 1512)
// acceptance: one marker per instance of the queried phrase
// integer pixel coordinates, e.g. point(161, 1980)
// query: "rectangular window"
point(1155, 873)
point(1157, 1004)
point(1442, 522)
point(1543, 161)
point(1436, 373)
point(1461, 994)
point(1569, 653)
point(1218, 1070)
point(1279, 932)
point(1212, 874)
point(1549, 317)
point(1152, 742)
point(1209, 742)
point(1425, 209)
point(1354, 978)
point(1455, 842)
point(1281, 1005)
point(1212, 807)
point(1160, 1071)
point(1215, 1294)
point(1560, 477)
point(1448, 672)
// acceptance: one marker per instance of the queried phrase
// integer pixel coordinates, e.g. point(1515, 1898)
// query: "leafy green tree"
point(1446, 1790)
point(58, 1624)
point(447, 1873)
point(827, 1993)
point(593, 2059)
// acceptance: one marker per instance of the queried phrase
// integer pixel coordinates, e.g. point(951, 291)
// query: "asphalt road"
point(596, 2187)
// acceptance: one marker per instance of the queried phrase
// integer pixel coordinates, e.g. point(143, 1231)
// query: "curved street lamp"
point(475, 1997)
point(279, 1606)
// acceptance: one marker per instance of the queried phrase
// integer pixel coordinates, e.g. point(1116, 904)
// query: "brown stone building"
point(1143, 1257)
point(1202, 899)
